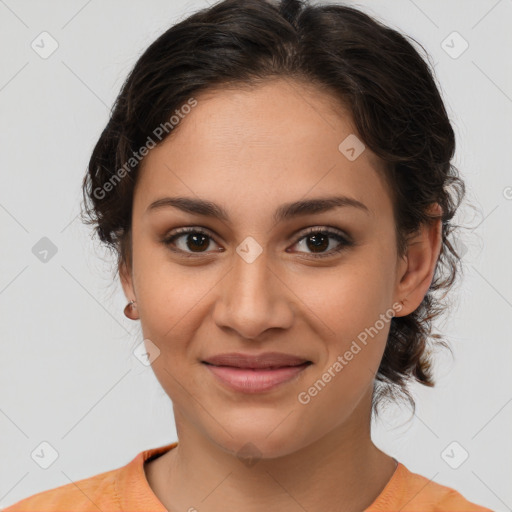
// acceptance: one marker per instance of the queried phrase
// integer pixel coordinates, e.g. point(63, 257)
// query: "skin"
point(250, 151)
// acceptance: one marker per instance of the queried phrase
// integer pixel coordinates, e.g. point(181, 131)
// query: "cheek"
point(170, 296)
point(354, 313)
point(349, 298)
point(359, 324)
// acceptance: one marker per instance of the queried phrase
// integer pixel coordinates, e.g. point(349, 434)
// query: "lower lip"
point(255, 381)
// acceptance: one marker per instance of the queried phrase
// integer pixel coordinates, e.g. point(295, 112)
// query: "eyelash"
point(344, 242)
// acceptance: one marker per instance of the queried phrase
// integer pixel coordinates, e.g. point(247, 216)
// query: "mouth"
point(255, 374)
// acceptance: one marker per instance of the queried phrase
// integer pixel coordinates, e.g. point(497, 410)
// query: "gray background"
point(68, 375)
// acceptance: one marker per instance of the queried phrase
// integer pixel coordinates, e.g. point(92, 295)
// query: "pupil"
point(319, 241)
point(196, 243)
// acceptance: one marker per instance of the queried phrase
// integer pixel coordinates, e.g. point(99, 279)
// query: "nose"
point(254, 298)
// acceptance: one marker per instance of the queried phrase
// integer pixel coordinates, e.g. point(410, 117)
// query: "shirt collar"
point(132, 487)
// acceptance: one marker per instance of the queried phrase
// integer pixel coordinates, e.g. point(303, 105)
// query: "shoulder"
point(411, 492)
point(111, 491)
point(97, 492)
point(414, 493)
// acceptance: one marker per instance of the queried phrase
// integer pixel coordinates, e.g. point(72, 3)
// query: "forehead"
point(259, 143)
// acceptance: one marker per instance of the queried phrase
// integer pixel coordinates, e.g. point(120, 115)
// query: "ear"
point(416, 269)
point(125, 276)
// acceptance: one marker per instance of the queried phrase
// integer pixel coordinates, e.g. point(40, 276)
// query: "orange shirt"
point(126, 489)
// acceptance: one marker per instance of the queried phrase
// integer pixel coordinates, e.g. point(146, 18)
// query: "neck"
point(342, 470)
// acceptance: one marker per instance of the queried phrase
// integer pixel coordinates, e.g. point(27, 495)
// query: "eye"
point(190, 241)
point(319, 239)
point(195, 240)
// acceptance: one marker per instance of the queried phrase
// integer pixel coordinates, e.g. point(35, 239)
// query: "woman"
point(275, 179)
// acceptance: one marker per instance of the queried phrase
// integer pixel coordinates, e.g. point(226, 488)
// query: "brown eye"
point(197, 241)
point(189, 241)
point(318, 241)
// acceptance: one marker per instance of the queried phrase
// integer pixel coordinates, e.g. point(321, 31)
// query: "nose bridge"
point(251, 301)
point(250, 277)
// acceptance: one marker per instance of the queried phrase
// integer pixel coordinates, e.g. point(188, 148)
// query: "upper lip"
point(264, 360)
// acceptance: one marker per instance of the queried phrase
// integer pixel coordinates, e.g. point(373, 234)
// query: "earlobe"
point(130, 310)
point(420, 263)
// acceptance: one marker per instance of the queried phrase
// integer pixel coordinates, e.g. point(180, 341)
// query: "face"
point(255, 281)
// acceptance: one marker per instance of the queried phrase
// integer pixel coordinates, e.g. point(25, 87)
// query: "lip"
point(256, 361)
point(255, 374)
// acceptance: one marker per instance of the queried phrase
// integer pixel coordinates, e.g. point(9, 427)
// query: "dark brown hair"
point(373, 70)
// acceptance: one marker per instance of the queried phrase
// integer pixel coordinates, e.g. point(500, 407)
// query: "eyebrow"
point(284, 212)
